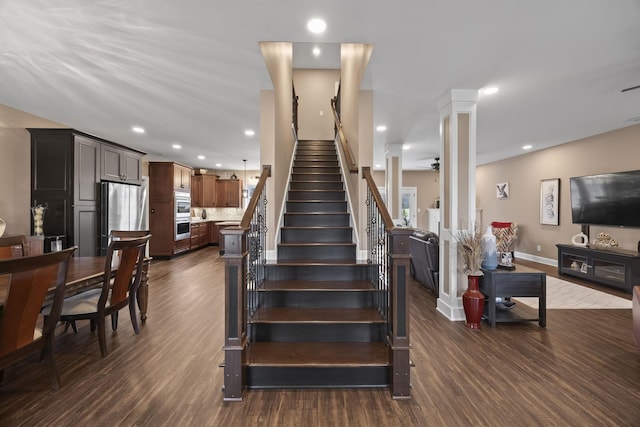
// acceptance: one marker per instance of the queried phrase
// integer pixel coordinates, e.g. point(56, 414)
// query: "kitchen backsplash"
point(219, 214)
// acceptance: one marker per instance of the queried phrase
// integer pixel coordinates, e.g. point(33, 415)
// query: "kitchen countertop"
point(226, 221)
point(229, 223)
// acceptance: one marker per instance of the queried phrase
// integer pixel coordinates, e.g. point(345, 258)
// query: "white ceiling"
point(191, 71)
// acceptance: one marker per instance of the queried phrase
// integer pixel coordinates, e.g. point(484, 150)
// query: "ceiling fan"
point(630, 88)
point(434, 166)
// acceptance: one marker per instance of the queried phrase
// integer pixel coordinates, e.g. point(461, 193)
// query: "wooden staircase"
point(317, 321)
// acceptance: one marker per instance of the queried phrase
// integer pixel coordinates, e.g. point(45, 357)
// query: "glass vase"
point(38, 220)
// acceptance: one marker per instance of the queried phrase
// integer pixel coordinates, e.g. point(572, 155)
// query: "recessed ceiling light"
point(527, 147)
point(490, 90)
point(381, 128)
point(137, 129)
point(201, 157)
point(317, 25)
point(378, 166)
point(218, 165)
point(316, 51)
point(176, 146)
point(249, 132)
point(405, 147)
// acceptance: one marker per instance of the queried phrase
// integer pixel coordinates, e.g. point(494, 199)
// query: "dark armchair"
point(425, 258)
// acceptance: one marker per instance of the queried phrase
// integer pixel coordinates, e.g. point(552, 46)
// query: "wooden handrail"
point(384, 213)
point(251, 207)
point(351, 163)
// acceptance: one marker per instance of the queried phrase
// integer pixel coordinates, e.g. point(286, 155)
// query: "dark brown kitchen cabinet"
point(120, 165)
point(203, 191)
point(196, 191)
point(199, 234)
point(214, 237)
point(163, 177)
point(181, 177)
point(65, 177)
point(228, 193)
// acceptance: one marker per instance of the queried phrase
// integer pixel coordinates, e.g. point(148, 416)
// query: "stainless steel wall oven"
point(183, 215)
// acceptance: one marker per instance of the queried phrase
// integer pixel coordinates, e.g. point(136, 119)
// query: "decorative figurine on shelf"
point(38, 219)
point(580, 239)
point(604, 240)
point(233, 176)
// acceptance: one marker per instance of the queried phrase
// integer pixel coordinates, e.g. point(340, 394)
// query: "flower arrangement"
point(469, 244)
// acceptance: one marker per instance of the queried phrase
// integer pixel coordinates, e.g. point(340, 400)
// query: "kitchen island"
point(206, 232)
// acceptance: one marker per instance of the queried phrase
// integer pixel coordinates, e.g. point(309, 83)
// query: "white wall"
point(314, 89)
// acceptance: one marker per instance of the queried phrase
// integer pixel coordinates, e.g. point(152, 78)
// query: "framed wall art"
point(550, 201)
point(502, 190)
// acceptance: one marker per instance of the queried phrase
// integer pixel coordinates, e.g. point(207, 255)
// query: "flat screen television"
point(606, 199)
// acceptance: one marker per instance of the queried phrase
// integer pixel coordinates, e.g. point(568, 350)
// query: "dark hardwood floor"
point(581, 370)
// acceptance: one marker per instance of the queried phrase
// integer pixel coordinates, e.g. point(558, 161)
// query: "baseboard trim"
point(454, 314)
point(535, 258)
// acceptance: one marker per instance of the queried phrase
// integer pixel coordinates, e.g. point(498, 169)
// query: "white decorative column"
point(393, 180)
point(457, 191)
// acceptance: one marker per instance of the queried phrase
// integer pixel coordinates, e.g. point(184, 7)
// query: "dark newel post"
point(400, 306)
point(235, 258)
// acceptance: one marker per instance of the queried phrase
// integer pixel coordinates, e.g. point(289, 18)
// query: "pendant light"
point(245, 191)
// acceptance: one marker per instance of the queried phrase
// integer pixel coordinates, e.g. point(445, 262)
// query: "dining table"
point(86, 273)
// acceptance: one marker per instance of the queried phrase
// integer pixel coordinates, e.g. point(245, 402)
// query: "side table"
point(521, 282)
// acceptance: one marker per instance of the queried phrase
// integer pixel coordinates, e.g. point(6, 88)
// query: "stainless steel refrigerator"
point(123, 207)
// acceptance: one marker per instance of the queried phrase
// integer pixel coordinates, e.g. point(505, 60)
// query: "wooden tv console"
point(613, 267)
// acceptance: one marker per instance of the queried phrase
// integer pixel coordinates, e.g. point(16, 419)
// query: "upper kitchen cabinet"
point(121, 165)
point(203, 191)
point(196, 191)
point(65, 173)
point(228, 193)
point(181, 177)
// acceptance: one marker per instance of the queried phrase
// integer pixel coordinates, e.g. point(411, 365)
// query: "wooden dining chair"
point(13, 247)
point(128, 234)
point(28, 280)
point(113, 295)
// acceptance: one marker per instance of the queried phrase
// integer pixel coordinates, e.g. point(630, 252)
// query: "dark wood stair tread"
point(325, 262)
point(315, 315)
point(315, 201)
point(318, 244)
point(314, 354)
point(316, 285)
point(315, 227)
point(317, 213)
